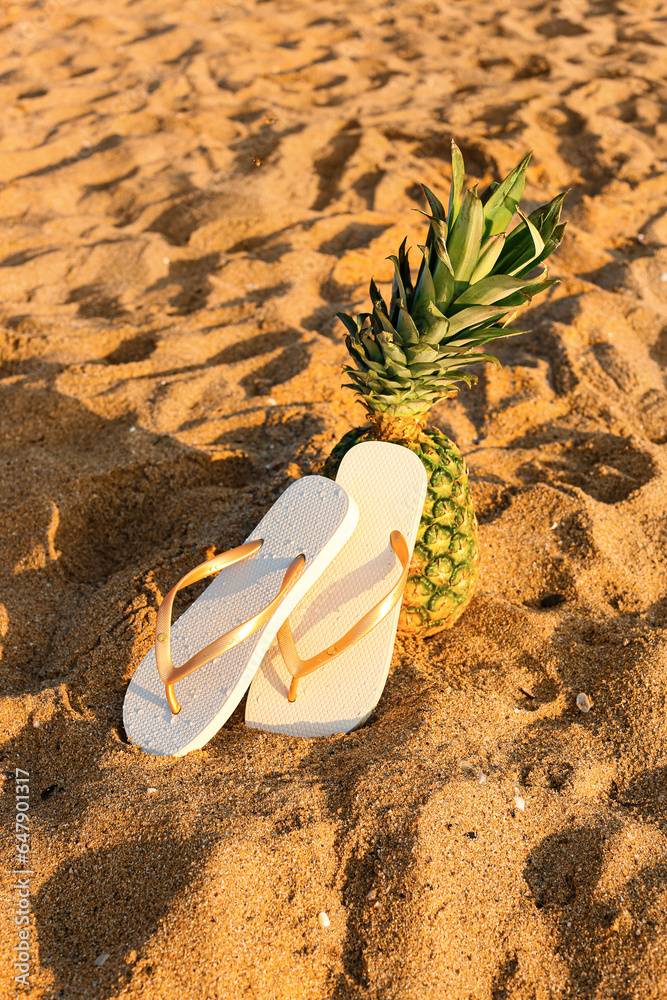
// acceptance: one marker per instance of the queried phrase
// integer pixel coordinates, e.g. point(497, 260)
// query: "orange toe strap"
point(166, 669)
point(300, 668)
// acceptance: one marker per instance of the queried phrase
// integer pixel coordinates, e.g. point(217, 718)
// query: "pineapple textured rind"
point(445, 561)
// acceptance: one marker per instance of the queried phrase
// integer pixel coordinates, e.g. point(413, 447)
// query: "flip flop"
point(221, 640)
point(345, 627)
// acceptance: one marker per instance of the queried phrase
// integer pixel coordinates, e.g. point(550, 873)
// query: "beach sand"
point(190, 192)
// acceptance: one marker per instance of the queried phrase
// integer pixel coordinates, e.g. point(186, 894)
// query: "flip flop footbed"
point(388, 483)
point(315, 517)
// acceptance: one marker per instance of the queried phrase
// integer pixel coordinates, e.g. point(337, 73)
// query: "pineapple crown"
point(471, 283)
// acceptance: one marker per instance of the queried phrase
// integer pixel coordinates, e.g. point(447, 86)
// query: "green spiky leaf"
point(391, 351)
point(371, 349)
point(376, 298)
point(495, 288)
point(406, 328)
point(489, 253)
point(465, 237)
point(436, 205)
point(551, 244)
point(546, 217)
point(348, 323)
point(487, 192)
point(443, 285)
point(472, 280)
point(404, 267)
point(424, 292)
point(500, 207)
point(523, 247)
point(456, 189)
point(398, 294)
point(473, 316)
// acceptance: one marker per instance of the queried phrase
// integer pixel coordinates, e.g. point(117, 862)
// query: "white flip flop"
point(221, 639)
point(345, 627)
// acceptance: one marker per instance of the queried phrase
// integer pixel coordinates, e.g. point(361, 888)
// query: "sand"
point(190, 191)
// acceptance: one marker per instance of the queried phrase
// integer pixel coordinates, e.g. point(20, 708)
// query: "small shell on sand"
point(372, 894)
point(584, 703)
point(101, 959)
point(519, 800)
point(323, 919)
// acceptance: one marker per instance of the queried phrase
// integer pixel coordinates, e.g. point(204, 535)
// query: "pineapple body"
point(414, 350)
point(444, 567)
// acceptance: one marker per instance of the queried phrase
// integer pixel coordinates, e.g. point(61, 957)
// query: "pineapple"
point(472, 281)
